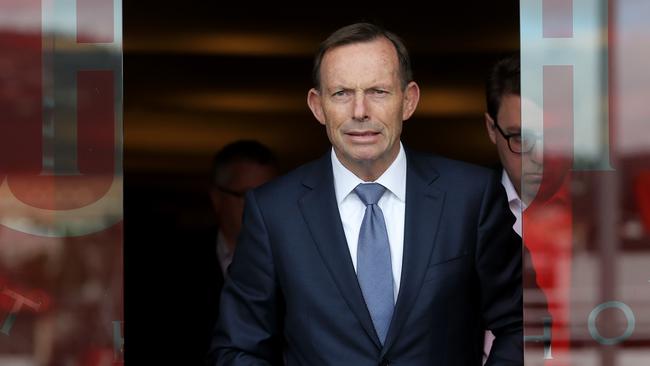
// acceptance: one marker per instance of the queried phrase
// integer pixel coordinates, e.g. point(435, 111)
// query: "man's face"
point(362, 104)
point(228, 200)
point(509, 119)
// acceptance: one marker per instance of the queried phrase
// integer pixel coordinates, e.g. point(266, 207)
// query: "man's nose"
point(360, 112)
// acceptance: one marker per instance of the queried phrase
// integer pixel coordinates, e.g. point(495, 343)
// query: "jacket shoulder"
point(455, 170)
point(291, 183)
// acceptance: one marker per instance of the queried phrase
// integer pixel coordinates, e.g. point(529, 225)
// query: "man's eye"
point(340, 93)
point(379, 91)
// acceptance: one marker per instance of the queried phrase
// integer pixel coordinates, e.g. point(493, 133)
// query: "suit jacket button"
point(384, 362)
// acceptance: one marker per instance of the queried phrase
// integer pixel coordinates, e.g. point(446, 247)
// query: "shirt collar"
point(511, 192)
point(394, 178)
point(223, 250)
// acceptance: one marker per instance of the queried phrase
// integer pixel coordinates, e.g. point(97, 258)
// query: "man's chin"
point(529, 190)
point(363, 154)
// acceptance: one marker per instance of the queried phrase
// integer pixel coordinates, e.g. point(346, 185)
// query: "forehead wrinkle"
point(348, 66)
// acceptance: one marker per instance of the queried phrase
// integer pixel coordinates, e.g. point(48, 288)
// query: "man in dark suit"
point(207, 251)
point(520, 171)
point(236, 168)
point(373, 254)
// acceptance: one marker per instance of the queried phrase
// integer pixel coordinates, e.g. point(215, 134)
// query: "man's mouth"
point(533, 176)
point(363, 136)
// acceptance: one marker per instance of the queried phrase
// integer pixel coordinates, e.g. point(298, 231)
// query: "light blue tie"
point(374, 270)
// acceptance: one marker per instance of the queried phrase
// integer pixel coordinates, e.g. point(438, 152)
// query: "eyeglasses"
point(515, 143)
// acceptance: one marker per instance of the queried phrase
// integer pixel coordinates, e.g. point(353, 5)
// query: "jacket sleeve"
point(499, 269)
point(248, 331)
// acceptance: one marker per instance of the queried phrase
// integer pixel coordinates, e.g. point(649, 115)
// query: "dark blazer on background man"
point(292, 296)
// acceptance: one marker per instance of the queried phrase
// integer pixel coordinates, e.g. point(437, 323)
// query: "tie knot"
point(369, 193)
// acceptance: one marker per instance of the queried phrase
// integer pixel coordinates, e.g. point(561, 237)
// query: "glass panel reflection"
point(585, 85)
point(61, 182)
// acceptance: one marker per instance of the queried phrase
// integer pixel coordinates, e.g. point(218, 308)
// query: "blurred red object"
point(642, 190)
point(10, 293)
point(98, 356)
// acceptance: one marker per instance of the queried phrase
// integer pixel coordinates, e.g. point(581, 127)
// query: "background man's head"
point(503, 124)
point(363, 91)
point(236, 168)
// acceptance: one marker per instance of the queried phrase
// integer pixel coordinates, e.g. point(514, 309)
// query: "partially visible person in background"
point(238, 167)
point(520, 160)
point(503, 124)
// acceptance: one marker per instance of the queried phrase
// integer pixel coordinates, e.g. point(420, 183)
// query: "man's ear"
point(411, 99)
point(491, 130)
point(314, 103)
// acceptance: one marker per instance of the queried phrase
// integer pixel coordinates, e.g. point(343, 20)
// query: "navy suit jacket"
point(292, 295)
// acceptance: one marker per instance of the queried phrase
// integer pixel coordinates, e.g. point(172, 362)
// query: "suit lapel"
point(319, 208)
point(423, 208)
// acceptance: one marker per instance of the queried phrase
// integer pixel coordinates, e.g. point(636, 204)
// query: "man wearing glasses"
point(521, 159)
point(238, 167)
point(503, 124)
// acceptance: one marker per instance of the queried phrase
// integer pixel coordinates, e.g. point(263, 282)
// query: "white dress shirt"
point(392, 204)
point(515, 203)
point(224, 254)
